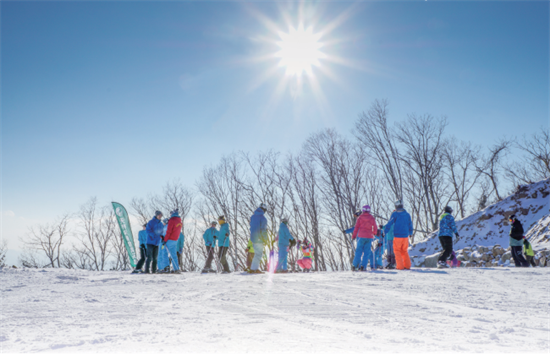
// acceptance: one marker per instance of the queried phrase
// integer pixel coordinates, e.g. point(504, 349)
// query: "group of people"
point(162, 242)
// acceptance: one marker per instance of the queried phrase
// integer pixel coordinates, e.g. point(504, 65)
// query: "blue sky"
point(112, 99)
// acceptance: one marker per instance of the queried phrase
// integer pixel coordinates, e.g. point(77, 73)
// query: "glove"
point(457, 235)
point(164, 243)
point(353, 238)
point(214, 237)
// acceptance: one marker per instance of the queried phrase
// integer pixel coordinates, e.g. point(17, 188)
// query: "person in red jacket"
point(171, 238)
point(365, 229)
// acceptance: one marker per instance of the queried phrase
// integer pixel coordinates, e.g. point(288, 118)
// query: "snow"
point(490, 226)
point(470, 310)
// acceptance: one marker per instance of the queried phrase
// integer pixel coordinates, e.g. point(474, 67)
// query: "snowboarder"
point(307, 251)
point(163, 258)
point(364, 231)
point(142, 237)
point(447, 228)
point(181, 241)
point(209, 237)
point(258, 236)
point(223, 243)
point(516, 242)
point(378, 247)
point(154, 231)
point(402, 225)
point(529, 254)
point(249, 255)
point(171, 239)
point(390, 256)
point(284, 237)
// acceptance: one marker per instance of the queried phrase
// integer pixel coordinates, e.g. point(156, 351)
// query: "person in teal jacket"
point(209, 237)
point(390, 256)
point(284, 237)
point(179, 250)
point(142, 237)
point(223, 244)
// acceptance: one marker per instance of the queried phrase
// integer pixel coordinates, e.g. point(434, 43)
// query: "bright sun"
point(299, 50)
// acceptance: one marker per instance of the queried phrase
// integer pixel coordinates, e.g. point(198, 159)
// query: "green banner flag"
point(126, 230)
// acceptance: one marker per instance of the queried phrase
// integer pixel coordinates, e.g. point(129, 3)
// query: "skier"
point(447, 228)
point(249, 255)
point(390, 256)
point(154, 231)
point(307, 250)
point(181, 241)
point(171, 239)
point(163, 259)
point(209, 237)
point(529, 254)
point(378, 247)
point(142, 237)
point(258, 236)
point(402, 225)
point(284, 237)
point(516, 242)
point(223, 244)
point(365, 229)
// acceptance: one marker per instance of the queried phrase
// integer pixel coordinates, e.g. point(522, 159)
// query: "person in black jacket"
point(516, 242)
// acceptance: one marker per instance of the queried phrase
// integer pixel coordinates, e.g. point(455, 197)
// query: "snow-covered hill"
point(467, 310)
point(490, 226)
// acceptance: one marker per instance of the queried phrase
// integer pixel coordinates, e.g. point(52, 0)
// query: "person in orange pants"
point(402, 230)
point(401, 251)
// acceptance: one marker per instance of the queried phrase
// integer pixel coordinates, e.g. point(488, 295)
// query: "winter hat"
point(366, 208)
point(448, 209)
point(284, 220)
point(175, 212)
point(214, 223)
point(157, 213)
point(263, 207)
point(399, 203)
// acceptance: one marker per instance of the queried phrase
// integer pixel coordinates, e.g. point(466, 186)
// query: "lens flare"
point(299, 50)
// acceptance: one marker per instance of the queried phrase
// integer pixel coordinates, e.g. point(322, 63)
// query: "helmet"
point(358, 212)
point(157, 213)
point(366, 208)
point(165, 221)
point(399, 203)
point(263, 207)
point(448, 209)
point(222, 217)
point(214, 223)
point(284, 220)
point(512, 217)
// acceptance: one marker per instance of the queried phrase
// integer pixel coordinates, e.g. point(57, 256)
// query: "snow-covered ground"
point(501, 310)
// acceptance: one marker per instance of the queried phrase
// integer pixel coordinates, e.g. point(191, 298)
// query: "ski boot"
point(441, 264)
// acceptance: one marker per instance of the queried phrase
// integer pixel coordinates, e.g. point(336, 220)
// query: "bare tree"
point(536, 165)
point(490, 166)
point(460, 169)
point(424, 143)
point(98, 231)
point(373, 132)
point(3, 252)
point(47, 239)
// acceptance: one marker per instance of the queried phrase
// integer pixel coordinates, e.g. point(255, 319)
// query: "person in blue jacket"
point(284, 237)
point(209, 237)
point(163, 257)
point(154, 231)
point(258, 236)
point(223, 244)
point(447, 228)
point(179, 248)
point(142, 237)
point(402, 225)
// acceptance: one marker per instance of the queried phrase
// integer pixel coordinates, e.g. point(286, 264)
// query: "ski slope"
point(501, 310)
